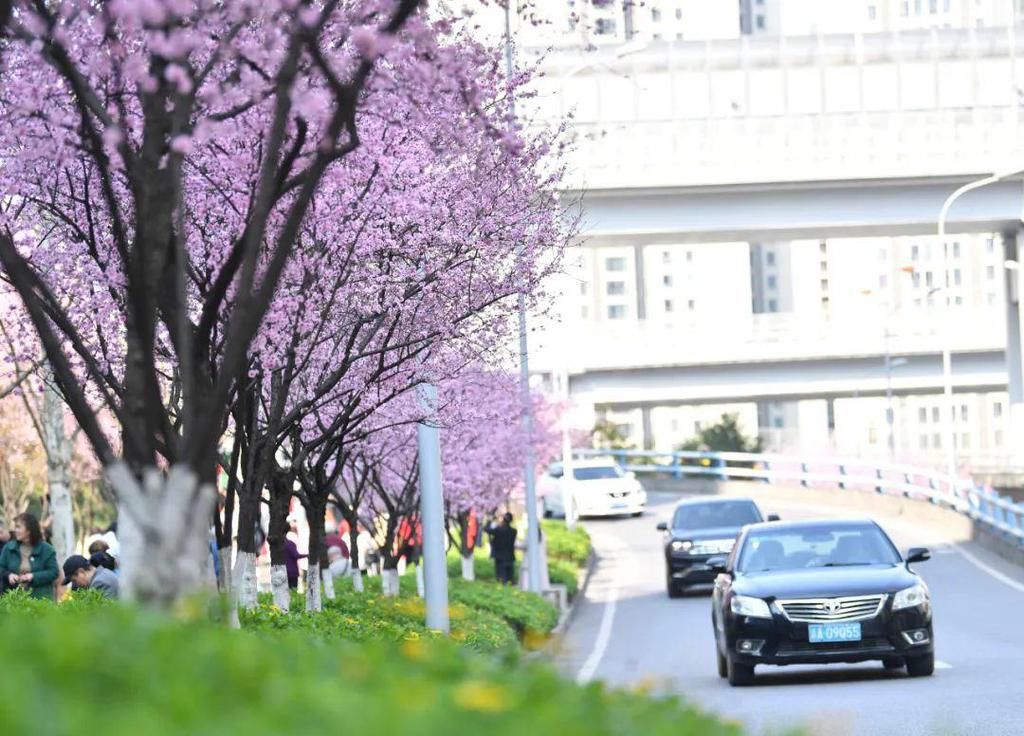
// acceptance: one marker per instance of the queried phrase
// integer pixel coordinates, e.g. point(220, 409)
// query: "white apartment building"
point(811, 17)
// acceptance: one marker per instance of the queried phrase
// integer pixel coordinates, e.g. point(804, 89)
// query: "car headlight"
point(744, 605)
point(916, 595)
point(681, 545)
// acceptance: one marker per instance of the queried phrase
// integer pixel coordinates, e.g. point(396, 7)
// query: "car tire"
point(894, 663)
point(635, 514)
point(922, 666)
point(673, 588)
point(548, 513)
point(739, 674)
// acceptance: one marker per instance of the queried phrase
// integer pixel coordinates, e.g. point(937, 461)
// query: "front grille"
point(813, 610)
point(712, 547)
point(802, 647)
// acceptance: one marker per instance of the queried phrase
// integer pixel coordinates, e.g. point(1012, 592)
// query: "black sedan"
point(820, 592)
point(702, 528)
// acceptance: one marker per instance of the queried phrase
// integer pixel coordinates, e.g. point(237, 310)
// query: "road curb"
point(567, 615)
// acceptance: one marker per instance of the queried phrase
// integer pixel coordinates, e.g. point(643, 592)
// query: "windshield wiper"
point(846, 564)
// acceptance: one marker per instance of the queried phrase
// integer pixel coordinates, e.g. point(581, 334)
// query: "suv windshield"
point(602, 472)
point(812, 547)
point(717, 514)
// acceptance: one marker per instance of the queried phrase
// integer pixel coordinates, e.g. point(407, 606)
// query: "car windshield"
point(714, 515)
point(602, 472)
point(814, 547)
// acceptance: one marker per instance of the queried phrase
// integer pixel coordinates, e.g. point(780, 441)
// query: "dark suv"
point(702, 528)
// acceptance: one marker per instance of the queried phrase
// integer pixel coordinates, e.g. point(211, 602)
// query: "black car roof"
point(699, 501)
point(783, 526)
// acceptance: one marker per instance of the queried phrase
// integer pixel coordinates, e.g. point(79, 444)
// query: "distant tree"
point(724, 436)
point(607, 436)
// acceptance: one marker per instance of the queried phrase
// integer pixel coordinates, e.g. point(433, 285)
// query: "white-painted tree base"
point(468, 569)
point(245, 582)
point(419, 581)
point(389, 583)
point(357, 580)
point(313, 600)
point(328, 581)
point(279, 587)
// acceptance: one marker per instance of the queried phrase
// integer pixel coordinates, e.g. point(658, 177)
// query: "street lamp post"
point(947, 356)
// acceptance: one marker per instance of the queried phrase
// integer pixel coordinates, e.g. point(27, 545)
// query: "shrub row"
point(565, 544)
point(70, 670)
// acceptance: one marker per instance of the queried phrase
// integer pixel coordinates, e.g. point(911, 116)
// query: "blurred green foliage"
point(73, 669)
point(565, 544)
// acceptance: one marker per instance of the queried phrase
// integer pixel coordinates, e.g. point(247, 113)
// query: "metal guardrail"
point(980, 503)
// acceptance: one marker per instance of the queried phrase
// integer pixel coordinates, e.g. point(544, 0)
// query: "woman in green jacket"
point(27, 562)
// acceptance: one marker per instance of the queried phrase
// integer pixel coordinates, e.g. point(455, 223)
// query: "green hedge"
point(372, 617)
point(69, 670)
point(525, 612)
point(572, 546)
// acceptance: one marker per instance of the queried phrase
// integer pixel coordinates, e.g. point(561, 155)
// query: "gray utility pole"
point(533, 538)
point(435, 566)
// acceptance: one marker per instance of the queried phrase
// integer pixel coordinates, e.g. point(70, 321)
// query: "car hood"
point(825, 582)
point(605, 485)
point(724, 532)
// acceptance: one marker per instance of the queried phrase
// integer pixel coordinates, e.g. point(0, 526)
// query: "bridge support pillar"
point(1013, 250)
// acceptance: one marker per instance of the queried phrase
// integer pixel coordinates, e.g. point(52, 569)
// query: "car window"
point(602, 472)
point(798, 549)
point(714, 515)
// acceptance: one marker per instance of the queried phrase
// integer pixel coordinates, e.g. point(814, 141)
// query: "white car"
point(598, 488)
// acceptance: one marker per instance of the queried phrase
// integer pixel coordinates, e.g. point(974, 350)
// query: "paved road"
point(629, 633)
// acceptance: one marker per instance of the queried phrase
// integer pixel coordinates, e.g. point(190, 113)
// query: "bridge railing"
point(980, 503)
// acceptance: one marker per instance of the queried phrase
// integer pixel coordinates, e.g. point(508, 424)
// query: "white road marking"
point(986, 568)
point(604, 633)
point(940, 665)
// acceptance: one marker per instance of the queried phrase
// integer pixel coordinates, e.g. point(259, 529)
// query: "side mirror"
point(717, 563)
point(773, 517)
point(662, 526)
point(918, 554)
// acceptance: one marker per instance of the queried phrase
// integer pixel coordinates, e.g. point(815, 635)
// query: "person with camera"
point(27, 562)
point(503, 549)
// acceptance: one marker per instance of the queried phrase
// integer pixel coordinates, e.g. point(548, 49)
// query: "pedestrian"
point(503, 549)
point(5, 537)
point(99, 556)
point(79, 573)
point(27, 562)
point(291, 554)
point(338, 562)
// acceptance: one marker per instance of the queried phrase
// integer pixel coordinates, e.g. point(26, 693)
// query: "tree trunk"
point(58, 469)
point(420, 586)
point(468, 569)
point(466, 547)
point(280, 496)
point(163, 528)
point(389, 582)
point(328, 580)
point(279, 587)
point(316, 511)
point(313, 600)
point(245, 582)
point(357, 580)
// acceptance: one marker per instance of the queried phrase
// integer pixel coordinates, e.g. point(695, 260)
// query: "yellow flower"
point(485, 697)
point(413, 649)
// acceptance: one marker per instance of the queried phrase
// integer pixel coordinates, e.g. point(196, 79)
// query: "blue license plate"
point(828, 633)
point(619, 505)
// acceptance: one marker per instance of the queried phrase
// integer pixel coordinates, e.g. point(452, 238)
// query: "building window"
point(616, 311)
point(689, 256)
point(772, 282)
point(760, 22)
point(823, 266)
point(963, 412)
point(883, 281)
point(997, 409)
point(615, 264)
point(679, 13)
point(882, 254)
point(583, 288)
point(956, 250)
point(822, 246)
point(871, 12)
point(946, 5)
point(933, 6)
point(990, 245)
point(957, 277)
point(915, 252)
point(668, 305)
point(584, 312)
point(690, 305)
point(615, 288)
point(991, 298)
point(905, 11)
point(916, 276)
point(656, 15)
point(997, 436)
point(958, 300)
point(773, 305)
point(923, 441)
point(928, 278)
point(666, 256)
point(922, 415)
point(937, 441)
point(990, 272)
point(769, 258)
point(824, 284)
point(777, 422)
point(965, 441)
point(666, 280)
point(604, 27)
point(935, 414)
